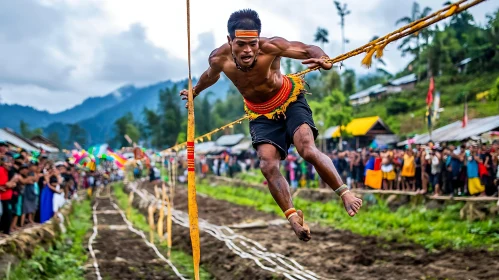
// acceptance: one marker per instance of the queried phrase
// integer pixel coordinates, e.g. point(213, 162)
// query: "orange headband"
point(246, 33)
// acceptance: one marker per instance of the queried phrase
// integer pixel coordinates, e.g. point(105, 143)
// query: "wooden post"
point(129, 206)
point(168, 225)
point(150, 212)
point(161, 215)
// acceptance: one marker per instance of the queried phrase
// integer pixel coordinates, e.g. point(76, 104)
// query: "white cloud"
point(38, 97)
point(56, 53)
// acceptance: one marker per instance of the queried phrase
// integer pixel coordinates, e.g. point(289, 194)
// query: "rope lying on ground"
point(131, 228)
point(240, 245)
point(141, 234)
point(91, 240)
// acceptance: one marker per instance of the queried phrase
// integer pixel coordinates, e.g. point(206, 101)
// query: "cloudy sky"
point(56, 53)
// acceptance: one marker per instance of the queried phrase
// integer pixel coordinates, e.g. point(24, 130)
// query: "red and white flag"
point(429, 96)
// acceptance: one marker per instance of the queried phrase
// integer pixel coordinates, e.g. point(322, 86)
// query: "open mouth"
point(246, 59)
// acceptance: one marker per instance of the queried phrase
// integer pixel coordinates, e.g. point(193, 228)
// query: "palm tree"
point(406, 46)
point(321, 36)
point(415, 15)
point(342, 12)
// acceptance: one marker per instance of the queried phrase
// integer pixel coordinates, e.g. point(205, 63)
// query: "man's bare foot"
point(352, 203)
point(301, 229)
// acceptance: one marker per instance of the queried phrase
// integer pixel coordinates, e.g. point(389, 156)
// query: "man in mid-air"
point(276, 106)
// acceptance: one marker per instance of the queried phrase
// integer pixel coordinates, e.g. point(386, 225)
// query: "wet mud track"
point(333, 254)
point(121, 253)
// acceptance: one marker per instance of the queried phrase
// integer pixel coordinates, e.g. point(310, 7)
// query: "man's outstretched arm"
point(208, 78)
point(311, 55)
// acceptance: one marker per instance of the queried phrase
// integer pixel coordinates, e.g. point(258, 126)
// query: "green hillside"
point(453, 91)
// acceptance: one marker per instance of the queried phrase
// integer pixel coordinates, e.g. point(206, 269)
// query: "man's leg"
point(13, 225)
point(23, 218)
point(31, 218)
point(279, 187)
point(6, 218)
point(303, 139)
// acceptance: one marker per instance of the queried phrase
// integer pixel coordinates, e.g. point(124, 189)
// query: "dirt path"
point(121, 253)
point(342, 255)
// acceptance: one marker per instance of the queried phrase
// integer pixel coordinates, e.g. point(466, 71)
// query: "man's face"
point(7, 163)
point(3, 150)
point(245, 50)
point(34, 168)
point(24, 171)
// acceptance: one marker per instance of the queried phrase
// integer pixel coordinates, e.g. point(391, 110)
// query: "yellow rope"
point(379, 44)
point(191, 175)
point(375, 47)
point(205, 136)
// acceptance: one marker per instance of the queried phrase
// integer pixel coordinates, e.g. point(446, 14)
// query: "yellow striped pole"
point(191, 175)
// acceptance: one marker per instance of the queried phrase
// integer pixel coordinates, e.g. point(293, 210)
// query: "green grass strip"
point(181, 260)
point(433, 229)
point(66, 257)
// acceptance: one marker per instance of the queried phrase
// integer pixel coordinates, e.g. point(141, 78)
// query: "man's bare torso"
point(260, 83)
point(385, 158)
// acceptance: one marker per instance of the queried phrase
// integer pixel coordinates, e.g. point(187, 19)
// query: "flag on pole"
point(429, 100)
point(429, 96)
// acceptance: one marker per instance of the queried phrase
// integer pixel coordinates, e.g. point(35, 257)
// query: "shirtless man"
point(278, 112)
point(387, 169)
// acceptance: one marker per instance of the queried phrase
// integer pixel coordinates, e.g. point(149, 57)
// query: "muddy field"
point(331, 254)
point(120, 253)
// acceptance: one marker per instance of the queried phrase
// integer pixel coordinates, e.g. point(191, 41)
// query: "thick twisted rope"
point(206, 135)
point(377, 46)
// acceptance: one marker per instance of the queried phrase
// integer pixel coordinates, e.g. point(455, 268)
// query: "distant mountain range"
point(97, 114)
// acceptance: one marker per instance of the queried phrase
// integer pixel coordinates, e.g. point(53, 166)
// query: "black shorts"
point(435, 179)
point(280, 132)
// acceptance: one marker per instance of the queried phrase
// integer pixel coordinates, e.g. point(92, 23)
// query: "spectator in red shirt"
point(7, 183)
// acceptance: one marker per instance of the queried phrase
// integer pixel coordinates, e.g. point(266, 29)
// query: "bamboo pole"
point(191, 176)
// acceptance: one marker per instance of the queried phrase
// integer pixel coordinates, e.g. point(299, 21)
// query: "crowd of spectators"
point(34, 188)
point(468, 168)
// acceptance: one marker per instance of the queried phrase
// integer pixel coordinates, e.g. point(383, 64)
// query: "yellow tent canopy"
point(357, 127)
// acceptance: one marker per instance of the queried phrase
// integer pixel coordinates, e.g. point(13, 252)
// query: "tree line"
point(436, 51)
